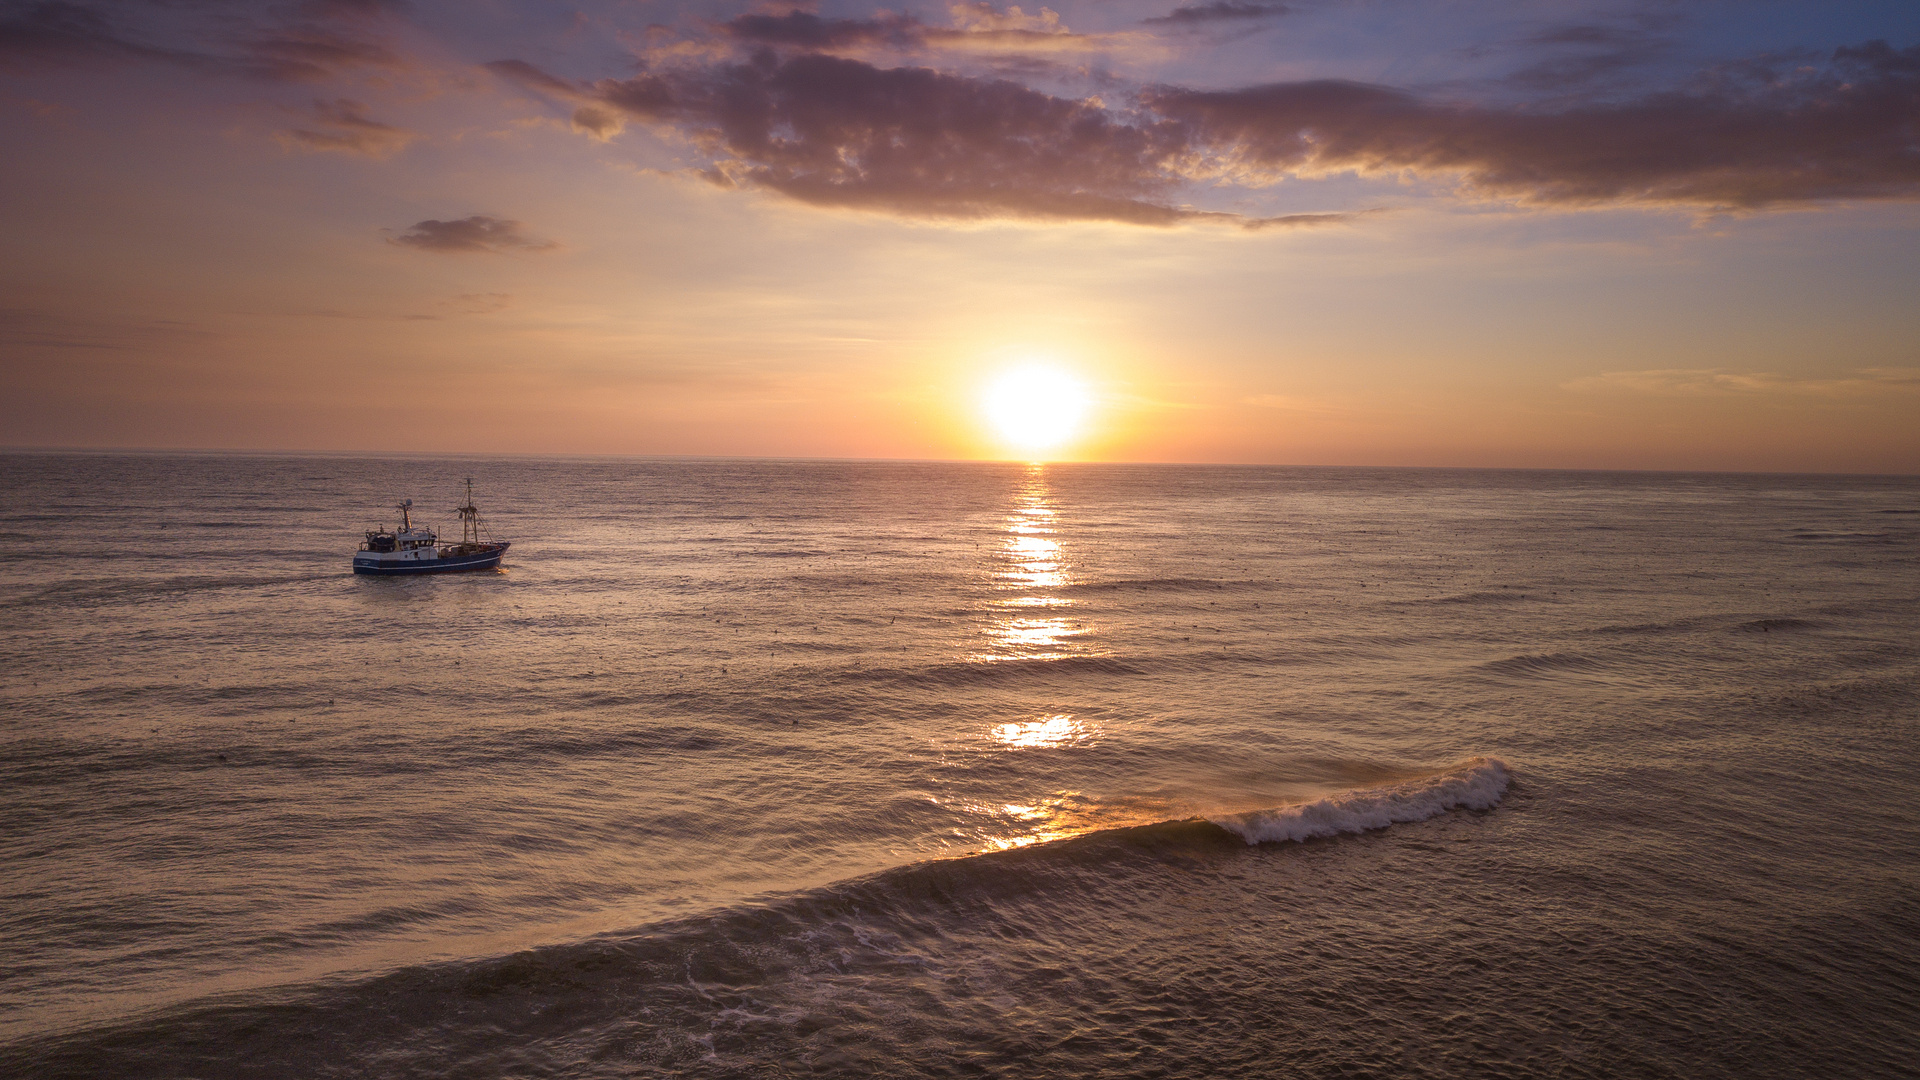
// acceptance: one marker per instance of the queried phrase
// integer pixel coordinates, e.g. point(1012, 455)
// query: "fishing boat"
point(415, 549)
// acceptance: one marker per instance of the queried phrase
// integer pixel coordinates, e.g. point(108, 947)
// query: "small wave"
point(1533, 665)
point(1479, 598)
point(1846, 537)
point(995, 672)
point(1477, 784)
point(85, 592)
point(1677, 626)
point(1150, 585)
point(1767, 626)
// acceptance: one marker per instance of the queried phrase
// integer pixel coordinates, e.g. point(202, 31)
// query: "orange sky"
point(408, 249)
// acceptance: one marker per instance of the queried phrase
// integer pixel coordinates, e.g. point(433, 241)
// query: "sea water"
point(742, 768)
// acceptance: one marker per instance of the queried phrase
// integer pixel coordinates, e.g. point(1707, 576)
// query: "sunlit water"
point(744, 768)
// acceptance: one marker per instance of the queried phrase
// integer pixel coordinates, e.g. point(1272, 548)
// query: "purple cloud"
point(1849, 132)
point(838, 132)
point(471, 234)
point(841, 132)
point(778, 112)
point(1217, 11)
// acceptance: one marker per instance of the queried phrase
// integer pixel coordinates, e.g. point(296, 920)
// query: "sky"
point(1581, 234)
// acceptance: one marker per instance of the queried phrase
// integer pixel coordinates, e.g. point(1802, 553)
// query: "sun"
point(1036, 409)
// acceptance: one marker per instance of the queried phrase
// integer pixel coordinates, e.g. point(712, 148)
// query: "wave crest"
point(1477, 784)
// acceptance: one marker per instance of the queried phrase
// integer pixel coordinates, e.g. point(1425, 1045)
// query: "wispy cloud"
point(468, 235)
point(343, 126)
point(1583, 57)
point(311, 54)
point(477, 303)
point(311, 43)
point(1709, 382)
point(448, 308)
point(27, 328)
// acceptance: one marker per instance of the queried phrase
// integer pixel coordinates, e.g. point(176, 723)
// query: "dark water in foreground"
point(771, 769)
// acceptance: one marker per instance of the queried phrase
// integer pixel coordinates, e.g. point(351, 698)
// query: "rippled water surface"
point(788, 768)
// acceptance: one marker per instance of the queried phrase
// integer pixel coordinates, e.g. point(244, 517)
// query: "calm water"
point(769, 769)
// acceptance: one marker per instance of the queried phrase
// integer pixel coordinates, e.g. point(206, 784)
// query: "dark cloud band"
point(1850, 132)
point(834, 131)
point(1218, 11)
point(783, 112)
point(838, 132)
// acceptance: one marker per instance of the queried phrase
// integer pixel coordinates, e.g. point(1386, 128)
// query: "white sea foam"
point(1476, 783)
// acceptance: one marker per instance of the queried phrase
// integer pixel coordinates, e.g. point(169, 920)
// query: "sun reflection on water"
point(1044, 822)
point(1035, 562)
point(1039, 638)
point(1032, 569)
point(1060, 730)
point(1033, 620)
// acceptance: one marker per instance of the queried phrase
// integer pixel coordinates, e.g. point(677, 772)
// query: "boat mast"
point(469, 518)
point(406, 516)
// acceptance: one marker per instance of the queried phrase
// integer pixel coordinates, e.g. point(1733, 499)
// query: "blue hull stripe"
point(483, 561)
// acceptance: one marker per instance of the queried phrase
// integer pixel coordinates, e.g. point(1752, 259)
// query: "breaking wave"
point(761, 975)
point(1477, 784)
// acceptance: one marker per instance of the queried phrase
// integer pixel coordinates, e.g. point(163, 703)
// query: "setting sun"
point(1036, 409)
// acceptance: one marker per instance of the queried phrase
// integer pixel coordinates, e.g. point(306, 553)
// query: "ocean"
point(790, 768)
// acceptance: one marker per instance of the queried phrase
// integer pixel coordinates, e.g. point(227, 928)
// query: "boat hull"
point(453, 564)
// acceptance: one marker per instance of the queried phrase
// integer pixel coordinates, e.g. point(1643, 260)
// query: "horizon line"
point(805, 459)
